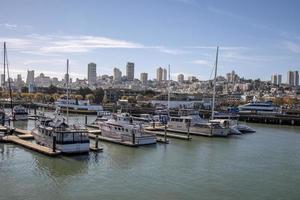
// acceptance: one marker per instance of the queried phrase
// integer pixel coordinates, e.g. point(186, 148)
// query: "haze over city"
point(255, 39)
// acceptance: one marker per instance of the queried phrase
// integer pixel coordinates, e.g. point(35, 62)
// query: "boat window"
point(126, 130)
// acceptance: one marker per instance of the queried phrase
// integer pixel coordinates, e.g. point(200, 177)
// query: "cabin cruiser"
point(258, 107)
point(19, 113)
point(231, 122)
point(121, 127)
point(101, 117)
point(68, 138)
point(190, 121)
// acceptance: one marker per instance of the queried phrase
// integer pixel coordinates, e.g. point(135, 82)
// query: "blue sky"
point(256, 38)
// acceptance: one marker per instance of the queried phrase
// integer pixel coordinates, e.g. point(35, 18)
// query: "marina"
point(204, 164)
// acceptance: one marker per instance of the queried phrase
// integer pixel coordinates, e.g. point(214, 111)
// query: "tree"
point(84, 91)
point(52, 89)
point(24, 89)
point(90, 97)
point(99, 94)
point(39, 97)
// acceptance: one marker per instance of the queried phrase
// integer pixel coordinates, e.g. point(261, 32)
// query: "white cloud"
point(292, 46)
point(203, 62)
point(15, 27)
point(170, 50)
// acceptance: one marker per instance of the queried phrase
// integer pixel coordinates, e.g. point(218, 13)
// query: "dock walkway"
point(30, 145)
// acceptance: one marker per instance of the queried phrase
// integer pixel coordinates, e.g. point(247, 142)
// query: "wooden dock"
point(112, 140)
point(29, 145)
point(281, 119)
point(168, 134)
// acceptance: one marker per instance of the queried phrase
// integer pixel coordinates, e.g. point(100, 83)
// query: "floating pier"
point(281, 119)
point(29, 145)
point(161, 132)
point(112, 140)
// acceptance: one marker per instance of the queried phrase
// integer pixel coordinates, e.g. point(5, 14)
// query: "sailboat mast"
point(4, 62)
point(67, 82)
point(215, 81)
point(169, 90)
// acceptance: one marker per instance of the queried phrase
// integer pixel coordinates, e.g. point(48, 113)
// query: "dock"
point(161, 132)
point(112, 140)
point(29, 145)
point(282, 119)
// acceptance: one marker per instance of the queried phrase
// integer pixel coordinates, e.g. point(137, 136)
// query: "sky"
point(257, 38)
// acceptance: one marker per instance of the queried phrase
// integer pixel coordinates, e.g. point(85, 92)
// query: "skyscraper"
point(92, 73)
point(274, 80)
point(290, 78)
point(117, 74)
point(30, 77)
point(159, 74)
point(130, 71)
point(144, 78)
point(180, 78)
point(279, 79)
point(165, 74)
point(296, 78)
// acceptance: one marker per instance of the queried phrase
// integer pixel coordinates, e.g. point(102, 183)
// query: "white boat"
point(191, 124)
point(68, 139)
point(19, 113)
point(231, 121)
point(73, 104)
point(57, 131)
point(101, 117)
point(258, 108)
point(122, 128)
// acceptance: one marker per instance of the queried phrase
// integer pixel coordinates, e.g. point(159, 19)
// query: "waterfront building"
point(279, 79)
point(117, 74)
point(180, 78)
point(92, 73)
point(159, 74)
point(42, 81)
point(130, 71)
point(144, 78)
point(30, 77)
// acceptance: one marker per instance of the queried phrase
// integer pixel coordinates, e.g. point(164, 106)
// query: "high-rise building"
point(180, 78)
point(144, 78)
point(290, 78)
point(279, 79)
point(274, 80)
point(165, 74)
point(296, 78)
point(92, 73)
point(130, 71)
point(30, 77)
point(117, 74)
point(159, 74)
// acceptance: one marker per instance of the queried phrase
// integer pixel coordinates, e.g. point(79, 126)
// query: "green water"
point(263, 165)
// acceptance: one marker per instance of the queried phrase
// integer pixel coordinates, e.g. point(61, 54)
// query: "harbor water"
point(262, 165)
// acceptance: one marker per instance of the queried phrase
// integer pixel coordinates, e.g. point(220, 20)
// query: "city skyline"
point(187, 42)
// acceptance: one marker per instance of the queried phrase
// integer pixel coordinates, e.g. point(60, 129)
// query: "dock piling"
point(54, 144)
point(85, 120)
point(165, 136)
point(97, 141)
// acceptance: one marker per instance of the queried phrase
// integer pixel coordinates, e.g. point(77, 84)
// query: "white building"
point(117, 74)
point(92, 73)
point(180, 78)
point(144, 78)
point(30, 77)
point(165, 74)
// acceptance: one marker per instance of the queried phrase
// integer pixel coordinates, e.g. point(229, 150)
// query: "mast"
point(169, 91)
point(67, 81)
point(4, 62)
point(215, 81)
point(9, 85)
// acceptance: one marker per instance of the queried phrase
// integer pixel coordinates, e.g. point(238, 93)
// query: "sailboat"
point(190, 121)
point(226, 122)
point(57, 131)
point(18, 112)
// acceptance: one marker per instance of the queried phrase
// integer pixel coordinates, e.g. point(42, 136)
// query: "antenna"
point(67, 82)
point(215, 81)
